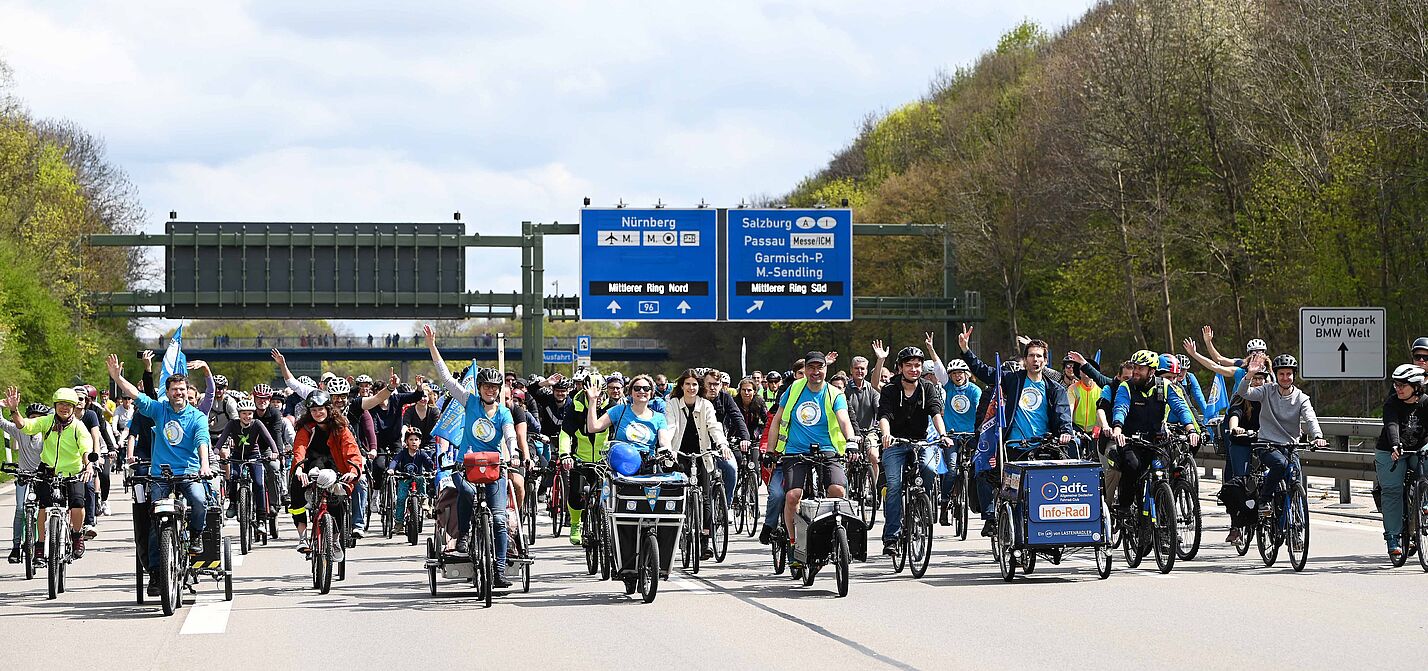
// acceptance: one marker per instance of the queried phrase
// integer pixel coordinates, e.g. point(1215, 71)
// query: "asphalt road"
point(1348, 608)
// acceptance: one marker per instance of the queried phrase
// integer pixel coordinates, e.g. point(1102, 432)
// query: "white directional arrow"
point(758, 305)
point(613, 306)
point(826, 305)
point(683, 307)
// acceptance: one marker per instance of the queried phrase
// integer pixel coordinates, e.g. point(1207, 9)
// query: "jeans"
point(1390, 480)
point(403, 486)
point(894, 458)
point(949, 480)
point(359, 502)
point(496, 500)
point(260, 499)
point(196, 493)
point(730, 470)
point(1238, 456)
point(775, 504)
point(91, 502)
point(21, 491)
point(1278, 464)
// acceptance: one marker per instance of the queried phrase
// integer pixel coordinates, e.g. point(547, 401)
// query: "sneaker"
point(461, 547)
point(1234, 536)
point(575, 535)
point(103, 507)
point(153, 588)
point(890, 548)
point(399, 528)
point(1395, 551)
point(90, 532)
point(39, 561)
point(989, 528)
point(357, 533)
point(303, 546)
point(944, 521)
point(707, 552)
point(195, 546)
point(766, 535)
point(232, 511)
point(78, 541)
point(500, 581)
point(14, 555)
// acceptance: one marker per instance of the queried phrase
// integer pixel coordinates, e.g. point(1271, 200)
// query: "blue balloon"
point(624, 458)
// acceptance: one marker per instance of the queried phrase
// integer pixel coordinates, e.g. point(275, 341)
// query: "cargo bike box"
point(813, 530)
point(637, 502)
point(1058, 502)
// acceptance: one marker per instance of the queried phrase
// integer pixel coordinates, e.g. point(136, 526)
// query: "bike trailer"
point(212, 557)
point(635, 501)
point(1059, 501)
point(813, 529)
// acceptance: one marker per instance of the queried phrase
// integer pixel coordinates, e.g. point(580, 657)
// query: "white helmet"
point(1256, 345)
point(928, 367)
point(724, 379)
point(247, 404)
point(324, 478)
point(958, 364)
point(339, 385)
point(1409, 374)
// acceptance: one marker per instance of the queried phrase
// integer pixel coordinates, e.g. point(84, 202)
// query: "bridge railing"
point(1352, 443)
point(378, 341)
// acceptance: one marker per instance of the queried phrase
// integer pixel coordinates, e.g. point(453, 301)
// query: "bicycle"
point(1283, 519)
point(594, 532)
point(534, 476)
point(277, 503)
point(826, 537)
point(1415, 509)
point(958, 506)
point(718, 526)
point(413, 511)
point(250, 524)
point(746, 494)
point(914, 541)
point(330, 535)
point(59, 544)
point(1185, 484)
point(1151, 523)
point(555, 504)
point(30, 517)
point(862, 486)
point(481, 536)
point(178, 569)
point(387, 501)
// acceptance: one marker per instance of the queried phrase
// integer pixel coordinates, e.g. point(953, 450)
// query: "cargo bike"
point(478, 565)
point(827, 530)
point(1049, 507)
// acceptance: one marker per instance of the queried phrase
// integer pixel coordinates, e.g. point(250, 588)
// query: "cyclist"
point(423, 414)
point(755, 413)
point(27, 448)
point(1235, 369)
point(769, 394)
point(695, 427)
point(251, 440)
point(182, 443)
point(1140, 408)
point(960, 398)
point(1034, 405)
point(579, 446)
point(1243, 417)
point(635, 422)
point(223, 405)
point(385, 408)
point(904, 410)
point(1285, 413)
point(727, 411)
point(324, 440)
point(811, 416)
point(862, 394)
point(1405, 423)
point(492, 430)
point(64, 446)
point(103, 444)
point(1082, 392)
point(412, 459)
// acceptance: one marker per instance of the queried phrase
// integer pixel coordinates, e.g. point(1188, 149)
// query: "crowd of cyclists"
point(889, 415)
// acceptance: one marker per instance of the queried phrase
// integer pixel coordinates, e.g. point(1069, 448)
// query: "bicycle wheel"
point(54, 554)
point(1165, 529)
point(1130, 537)
point(324, 548)
point(557, 507)
point(431, 562)
point(413, 520)
point(528, 513)
point(963, 502)
point(227, 570)
point(167, 575)
point(1297, 522)
point(1268, 544)
point(779, 547)
point(687, 532)
point(607, 544)
point(1420, 517)
point(917, 526)
point(590, 538)
point(649, 567)
point(245, 521)
point(1103, 552)
point(719, 531)
point(1005, 542)
point(840, 559)
point(28, 549)
point(695, 538)
point(753, 510)
point(871, 497)
point(1188, 520)
point(389, 507)
point(488, 557)
point(1242, 545)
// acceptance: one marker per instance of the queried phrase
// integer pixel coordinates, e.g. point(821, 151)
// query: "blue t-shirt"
point(959, 407)
point(178, 436)
point(483, 434)
point(628, 427)
point(1032, 415)
point(806, 425)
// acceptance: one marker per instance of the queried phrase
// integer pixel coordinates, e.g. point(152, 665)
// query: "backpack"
point(1234, 495)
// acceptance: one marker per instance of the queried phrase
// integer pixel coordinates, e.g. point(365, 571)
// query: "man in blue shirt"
point(181, 442)
point(812, 416)
point(960, 399)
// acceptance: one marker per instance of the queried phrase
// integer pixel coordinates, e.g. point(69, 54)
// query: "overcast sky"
point(393, 111)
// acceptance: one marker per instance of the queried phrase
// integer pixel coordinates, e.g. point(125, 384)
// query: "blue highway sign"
point(559, 356)
point(790, 265)
point(649, 265)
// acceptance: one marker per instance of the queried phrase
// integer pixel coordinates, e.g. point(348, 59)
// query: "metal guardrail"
point(1352, 443)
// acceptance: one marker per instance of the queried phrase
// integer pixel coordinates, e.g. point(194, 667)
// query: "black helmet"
point(1285, 361)
point(564, 384)
point(490, 376)
point(318, 398)
point(774, 376)
point(405, 388)
point(909, 353)
point(1421, 343)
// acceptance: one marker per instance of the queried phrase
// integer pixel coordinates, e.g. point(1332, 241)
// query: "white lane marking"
point(684, 584)
point(208, 616)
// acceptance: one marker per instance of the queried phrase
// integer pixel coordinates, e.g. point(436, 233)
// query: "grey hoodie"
point(1282, 418)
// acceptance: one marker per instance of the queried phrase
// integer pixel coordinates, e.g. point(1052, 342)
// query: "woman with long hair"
point(324, 440)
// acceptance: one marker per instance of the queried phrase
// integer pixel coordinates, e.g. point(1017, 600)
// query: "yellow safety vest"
point(835, 429)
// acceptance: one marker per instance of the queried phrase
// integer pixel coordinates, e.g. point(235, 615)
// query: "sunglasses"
point(1420, 357)
point(641, 387)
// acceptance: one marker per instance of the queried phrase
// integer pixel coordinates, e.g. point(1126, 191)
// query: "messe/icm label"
point(787, 265)
point(649, 265)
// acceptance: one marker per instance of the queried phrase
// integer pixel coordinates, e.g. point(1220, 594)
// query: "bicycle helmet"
point(724, 379)
point(318, 398)
point(411, 430)
point(91, 391)
point(338, 386)
point(773, 376)
point(564, 384)
point(1256, 345)
point(327, 375)
point(1145, 357)
point(1409, 374)
point(405, 388)
point(324, 478)
point(956, 365)
point(37, 410)
point(65, 395)
point(908, 353)
point(490, 376)
point(364, 379)
point(262, 391)
point(307, 381)
point(1421, 343)
point(81, 393)
point(1011, 366)
point(220, 381)
point(1184, 361)
point(1285, 361)
point(246, 404)
point(928, 368)
point(1167, 363)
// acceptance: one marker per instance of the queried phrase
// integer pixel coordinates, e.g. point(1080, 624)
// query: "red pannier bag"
point(482, 468)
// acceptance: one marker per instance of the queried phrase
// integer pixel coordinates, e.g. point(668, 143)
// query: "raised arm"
point(875, 377)
point(937, 368)
point(1226, 370)
point(453, 386)
point(1208, 334)
point(117, 375)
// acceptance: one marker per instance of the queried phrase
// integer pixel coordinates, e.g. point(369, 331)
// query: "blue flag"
point(989, 431)
point(174, 363)
point(1219, 398)
point(451, 426)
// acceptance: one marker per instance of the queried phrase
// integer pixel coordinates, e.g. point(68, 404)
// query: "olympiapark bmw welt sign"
point(1342, 343)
